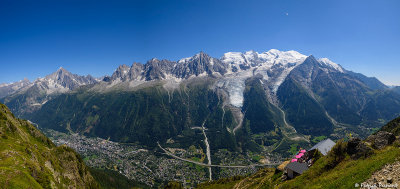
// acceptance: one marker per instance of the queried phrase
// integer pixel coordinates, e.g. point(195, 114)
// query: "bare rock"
point(357, 149)
point(388, 176)
point(381, 139)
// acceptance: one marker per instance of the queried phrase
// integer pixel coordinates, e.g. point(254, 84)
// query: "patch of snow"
point(329, 63)
point(183, 60)
point(234, 84)
point(172, 82)
point(233, 57)
point(5, 84)
point(113, 83)
point(202, 74)
point(254, 63)
point(132, 84)
point(235, 89)
point(281, 57)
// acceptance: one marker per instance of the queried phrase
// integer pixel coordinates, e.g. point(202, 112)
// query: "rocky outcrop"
point(357, 148)
point(388, 177)
point(381, 139)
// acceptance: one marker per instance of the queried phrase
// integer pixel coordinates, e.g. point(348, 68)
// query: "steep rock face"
point(158, 69)
point(121, 73)
point(135, 71)
point(31, 97)
point(28, 159)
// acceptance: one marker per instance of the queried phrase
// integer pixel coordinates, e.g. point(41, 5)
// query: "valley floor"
point(154, 167)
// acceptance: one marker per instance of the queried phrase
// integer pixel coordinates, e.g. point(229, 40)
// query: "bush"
point(337, 154)
point(316, 155)
point(174, 185)
point(396, 143)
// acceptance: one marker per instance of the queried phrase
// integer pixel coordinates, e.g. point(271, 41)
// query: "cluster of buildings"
point(304, 159)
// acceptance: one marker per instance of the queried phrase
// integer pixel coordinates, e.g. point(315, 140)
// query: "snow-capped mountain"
point(62, 81)
point(202, 64)
point(329, 63)
point(284, 89)
point(242, 61)
point(9, 88)
point(232, 69)
point(31, 96)
point(274, 95)
point(272, 67)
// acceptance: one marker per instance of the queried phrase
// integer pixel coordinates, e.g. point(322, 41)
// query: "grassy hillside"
point(109, 179)
point(338, 169)
point(343, 175)
point(346, 173)
point(393, 126)
point(28, 159)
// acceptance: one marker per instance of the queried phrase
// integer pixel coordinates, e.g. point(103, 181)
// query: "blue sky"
point(94, 37)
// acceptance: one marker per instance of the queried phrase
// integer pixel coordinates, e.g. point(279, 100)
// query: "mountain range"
point(244, 101)
point(25, 97)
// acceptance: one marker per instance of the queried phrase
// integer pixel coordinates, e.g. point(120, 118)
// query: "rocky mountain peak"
point(154, 60)
point(311, 58)
point(59, 75)
point(62, 80)
point(61, 69)
point(135, 71)
point(121, 72)
point(201, 55)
